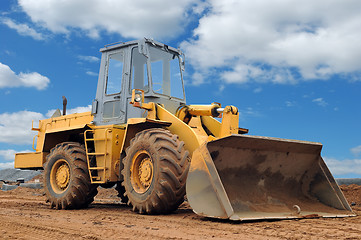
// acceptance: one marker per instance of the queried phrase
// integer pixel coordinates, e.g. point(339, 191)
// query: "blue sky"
point(292, 68)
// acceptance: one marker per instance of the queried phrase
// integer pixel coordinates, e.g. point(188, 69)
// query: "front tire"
point(66, 177)
point(155, 171)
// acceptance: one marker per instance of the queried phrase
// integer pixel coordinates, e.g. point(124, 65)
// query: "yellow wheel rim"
point(60, 176)
point(141, 171)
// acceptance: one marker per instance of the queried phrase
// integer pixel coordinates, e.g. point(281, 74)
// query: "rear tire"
point(66, 177)
point(155, 171)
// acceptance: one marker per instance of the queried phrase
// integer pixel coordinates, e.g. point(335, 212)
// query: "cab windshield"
point(166, 72)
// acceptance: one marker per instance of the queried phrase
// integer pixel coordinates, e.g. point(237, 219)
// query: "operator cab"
point(146, 64)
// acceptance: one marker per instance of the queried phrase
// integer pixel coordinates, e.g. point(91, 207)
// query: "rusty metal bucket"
point(248, 177)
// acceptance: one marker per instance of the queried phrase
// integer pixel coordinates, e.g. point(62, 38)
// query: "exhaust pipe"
point(65, 102)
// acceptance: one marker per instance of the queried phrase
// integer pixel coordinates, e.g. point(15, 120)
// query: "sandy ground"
point(25, 215)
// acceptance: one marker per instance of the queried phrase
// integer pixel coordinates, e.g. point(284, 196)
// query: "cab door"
point(111, 105)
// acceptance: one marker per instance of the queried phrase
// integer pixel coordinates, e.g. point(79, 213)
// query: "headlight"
point(137, 98)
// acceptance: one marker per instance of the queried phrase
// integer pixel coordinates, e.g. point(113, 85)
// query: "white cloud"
point(15, 128)
point(198, 79)
point(258, 90)
point(290, 103)
point(200, 7)
point(320, 102)
point(130, 19)
point(247, 113)
point(89, 58)
point(9, 53)
point(90, 73)
point(71, 110)
point(356, 151)
point(343, 167)
point(80, 109)
point(22, 29)
point(8, 78)
point(221, 88)
point(6, 165)
point(277, 41)
point(7, 154)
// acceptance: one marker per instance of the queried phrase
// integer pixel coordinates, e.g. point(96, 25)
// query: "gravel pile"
point(14, 174)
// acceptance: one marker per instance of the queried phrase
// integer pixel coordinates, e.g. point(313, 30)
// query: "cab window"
point(115, 73)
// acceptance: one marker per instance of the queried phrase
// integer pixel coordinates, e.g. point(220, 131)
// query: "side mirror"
point(94, 107)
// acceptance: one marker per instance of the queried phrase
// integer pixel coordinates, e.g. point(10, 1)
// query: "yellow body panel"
point(30, 160)
point(108, 141)
point(59, 124)
point(203, 110)
point(191, 140)
point(230, 123)
point(50, 126)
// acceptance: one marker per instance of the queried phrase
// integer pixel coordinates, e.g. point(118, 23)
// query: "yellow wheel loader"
point(142, 137)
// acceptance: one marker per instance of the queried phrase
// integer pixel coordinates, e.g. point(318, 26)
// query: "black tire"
point(155, 171)
point(66, 177)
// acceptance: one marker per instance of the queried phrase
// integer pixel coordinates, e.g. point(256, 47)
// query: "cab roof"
point(118, 45)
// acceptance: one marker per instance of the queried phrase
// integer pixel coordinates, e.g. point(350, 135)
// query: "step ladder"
point(96, 172)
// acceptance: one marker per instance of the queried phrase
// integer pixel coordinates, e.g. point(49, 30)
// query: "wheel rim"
point(60, 176)
point(141, 171)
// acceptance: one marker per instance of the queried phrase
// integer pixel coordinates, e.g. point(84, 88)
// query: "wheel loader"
point(143, 138)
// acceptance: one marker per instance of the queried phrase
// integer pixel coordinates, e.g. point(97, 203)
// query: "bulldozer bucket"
point(248, 177)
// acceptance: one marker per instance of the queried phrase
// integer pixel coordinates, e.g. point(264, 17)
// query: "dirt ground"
point(25, 215)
